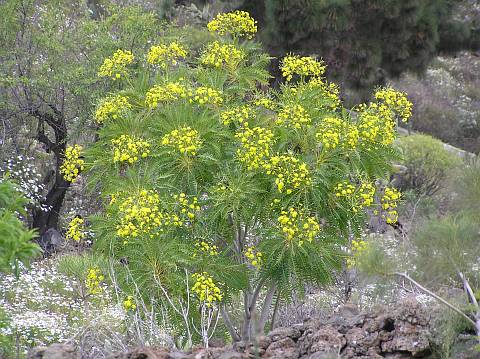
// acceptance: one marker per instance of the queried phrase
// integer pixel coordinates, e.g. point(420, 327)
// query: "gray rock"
point(54, 351)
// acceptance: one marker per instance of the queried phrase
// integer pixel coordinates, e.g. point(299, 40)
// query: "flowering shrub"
point(248, 189)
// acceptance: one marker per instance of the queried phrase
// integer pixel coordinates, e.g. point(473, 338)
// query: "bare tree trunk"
point(43, 220)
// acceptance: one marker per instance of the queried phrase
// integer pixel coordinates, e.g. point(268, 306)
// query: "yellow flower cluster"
point(140, 213)
point(93, 281)
point(207, 247)
point(111, 107)
point(187, 207)
point(240, 115)
point(129, 303)
point(164, 55)
point(218, 55)
point(254, 256)
point(304, 66)
point(390, 200)
point(205, 289)
point(206, 95)
point(335, 132)
point(329, 91)
point(128, 149)
point(72, 164)
point(293, 116)
point(296, 225)
point(265, 102)
point(185, 140)
point(116, 65)
point(360, 197)
point(76, 229)
point(237, 23)
point(376, 125)
point(344, 189)
point(290, 173)
point(172, 91)
point(255, 146)
point(358, 246)
point(397, 102)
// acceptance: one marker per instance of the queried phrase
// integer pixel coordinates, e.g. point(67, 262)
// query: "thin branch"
point(228, 323)
point(267, 303)
point(469, 290)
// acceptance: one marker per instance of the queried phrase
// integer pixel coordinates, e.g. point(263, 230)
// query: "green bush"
point(428, 164)
point(15, 239)
point(468, 188)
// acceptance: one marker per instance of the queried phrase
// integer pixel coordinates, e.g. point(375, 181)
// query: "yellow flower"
point(293, 116)
point(72, 164)
point(129, 149)
point(329, 92)
point(206, 247)
point(129, 303)
point(376, 125)
point(254, 257)
point(116, 66)
point(265, 102)
point(296, 225)
point(184, 140)
point(358, 247)
point(164, 55)
point(218, 55)
point(236, 23)
point(390, 200)
point(94, 280)
point(187, 209)
point(290, 174)
point(169, 92)
point(304, 66)
point(205, 96)
point(205, 289)
point(334, 132)
point(139, 214)
point(111, 107)
point(238, 115)
point(255, 146)
point(396, 101)
point(76, 230)
point(359, 197)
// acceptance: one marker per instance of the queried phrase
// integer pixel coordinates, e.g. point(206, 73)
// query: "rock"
point(400, 333)
point(284, 348)
point(281, 333)
point(54, 351)
point(145, 353)
point(51, 241)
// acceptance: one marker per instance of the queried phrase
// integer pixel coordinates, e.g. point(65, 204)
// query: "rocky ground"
point(396, 334)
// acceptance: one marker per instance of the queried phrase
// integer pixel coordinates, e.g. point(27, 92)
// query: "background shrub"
point(428, 164)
